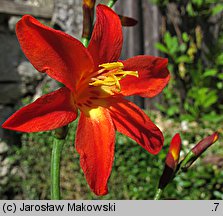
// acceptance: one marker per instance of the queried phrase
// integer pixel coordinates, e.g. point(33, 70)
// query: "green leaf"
point(160, 107)
point(218, 194)
point(174, 46)
point(213, 117)
point(217, 9)
point(187, 117)
point(172, 110)
point(219, 59)
point(220, 76)
point(197, 2)
point(220, 85)
point(210, 99)
point(183, 58)
point(210, 72)
point(171, 43)
point(161, 48)
point(183, 47)
point(190, 10)
point(200, 182)
point(185, 37)
point(167, 39)
point(191, 109)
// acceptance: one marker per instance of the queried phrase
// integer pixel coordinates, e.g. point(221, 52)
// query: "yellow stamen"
point(111, 66)
point(110, 75)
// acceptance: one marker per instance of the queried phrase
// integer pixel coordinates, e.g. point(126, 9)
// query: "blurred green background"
point(135, 173)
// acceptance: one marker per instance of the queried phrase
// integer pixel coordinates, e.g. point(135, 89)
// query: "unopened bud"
point(172, 157)
point(171, 162)
point(204, 144)
point(198, 150)
point(89, 3)
point(88, 17)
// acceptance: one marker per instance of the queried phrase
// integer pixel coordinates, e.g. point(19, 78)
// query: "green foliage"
point(135, 172)
point(195, 61)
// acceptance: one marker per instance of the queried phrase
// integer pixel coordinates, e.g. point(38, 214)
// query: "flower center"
point(109, 76)
point(103, 83)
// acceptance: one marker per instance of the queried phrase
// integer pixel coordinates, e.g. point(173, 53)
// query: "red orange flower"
point(95, 83)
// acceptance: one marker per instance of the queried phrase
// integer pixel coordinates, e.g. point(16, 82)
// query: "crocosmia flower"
point(96, 82)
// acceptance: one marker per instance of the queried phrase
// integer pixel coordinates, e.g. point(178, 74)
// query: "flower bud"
point(171, 162)
point(89, 3)
point(198, 150)
point(172, 157)
point(204, 144)
point(88, 17)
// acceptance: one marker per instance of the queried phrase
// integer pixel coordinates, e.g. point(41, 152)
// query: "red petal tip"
point(175, 146)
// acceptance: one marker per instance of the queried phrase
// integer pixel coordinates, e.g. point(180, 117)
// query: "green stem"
point(55, 169)
point(186, 163)
point(158, 194)
point(85, 41)
point(111, 3)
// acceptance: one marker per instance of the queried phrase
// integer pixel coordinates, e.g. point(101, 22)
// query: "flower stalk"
point(85, 41)
point(55, 169)
point(158, 194)
point(60, 135)
point(111, 3)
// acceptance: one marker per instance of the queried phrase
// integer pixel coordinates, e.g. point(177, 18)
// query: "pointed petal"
point(173, 154)
point(106, 41)
point(134, 123)
point(50, 111)
point(95, 143)
point(61, 56)
point(153, 76)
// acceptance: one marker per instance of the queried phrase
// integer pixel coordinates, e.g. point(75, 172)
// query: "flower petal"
point(50, 111)
point(61, 56)
point(153, 76)
point(133, 122)
point(95, 143)
point(106, 41)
